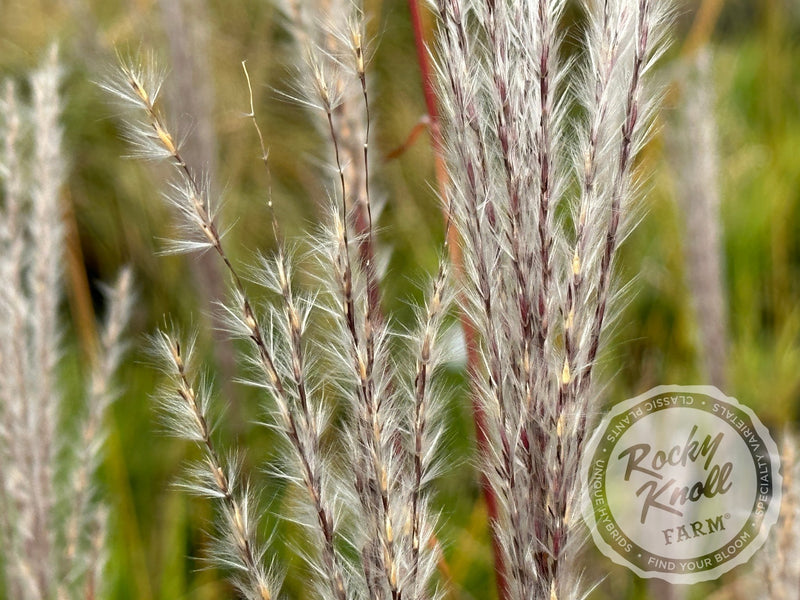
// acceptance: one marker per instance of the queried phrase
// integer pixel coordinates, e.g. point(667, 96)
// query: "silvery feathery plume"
point(86, 527)
point(186, 398)
point(363, 497)
point(323, 31)
point(31, 302)
point(538, 285)
point(49, 551)
point(394, 455)
point(695, 155)
point(185, 404)
point(187, 26)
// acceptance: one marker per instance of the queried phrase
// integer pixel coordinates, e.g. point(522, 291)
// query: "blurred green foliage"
point(156, 531)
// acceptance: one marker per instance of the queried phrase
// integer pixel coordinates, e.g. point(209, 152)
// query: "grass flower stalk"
point(695, 155)
point(378, 503)
point(539, 287)
point(185, 404)
point(54, 520)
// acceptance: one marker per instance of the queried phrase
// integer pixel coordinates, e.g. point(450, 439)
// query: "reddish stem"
point(429, 94)
point(454, 248)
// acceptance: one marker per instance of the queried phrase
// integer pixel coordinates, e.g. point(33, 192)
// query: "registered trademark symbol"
point(727, 515)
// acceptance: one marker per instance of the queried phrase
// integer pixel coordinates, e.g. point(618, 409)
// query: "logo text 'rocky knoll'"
point(656, 491)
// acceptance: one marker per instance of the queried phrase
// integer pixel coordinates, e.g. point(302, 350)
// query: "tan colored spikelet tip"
point(435, 302)
point(165, 138)
point(566, 376)
point(339, 229)
point(137, 86)
point(264, 591)
point(238, 523)
point(553, 595)
point(362, 368)
point(576, 264)
point(389, 529)
point(384, 474)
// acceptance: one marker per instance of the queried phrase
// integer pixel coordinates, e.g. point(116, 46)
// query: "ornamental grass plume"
point(361, 495)
point(541, 203)
point(694, 154)
point(52, 518)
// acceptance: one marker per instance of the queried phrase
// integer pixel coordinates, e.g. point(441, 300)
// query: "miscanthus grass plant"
point(53, 521)
point(363, 498)
point(541, 202)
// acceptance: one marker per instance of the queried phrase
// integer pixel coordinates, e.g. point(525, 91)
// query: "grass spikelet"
point(185, 403)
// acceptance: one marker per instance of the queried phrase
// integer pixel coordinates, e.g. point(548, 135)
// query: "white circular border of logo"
point(770, 515)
